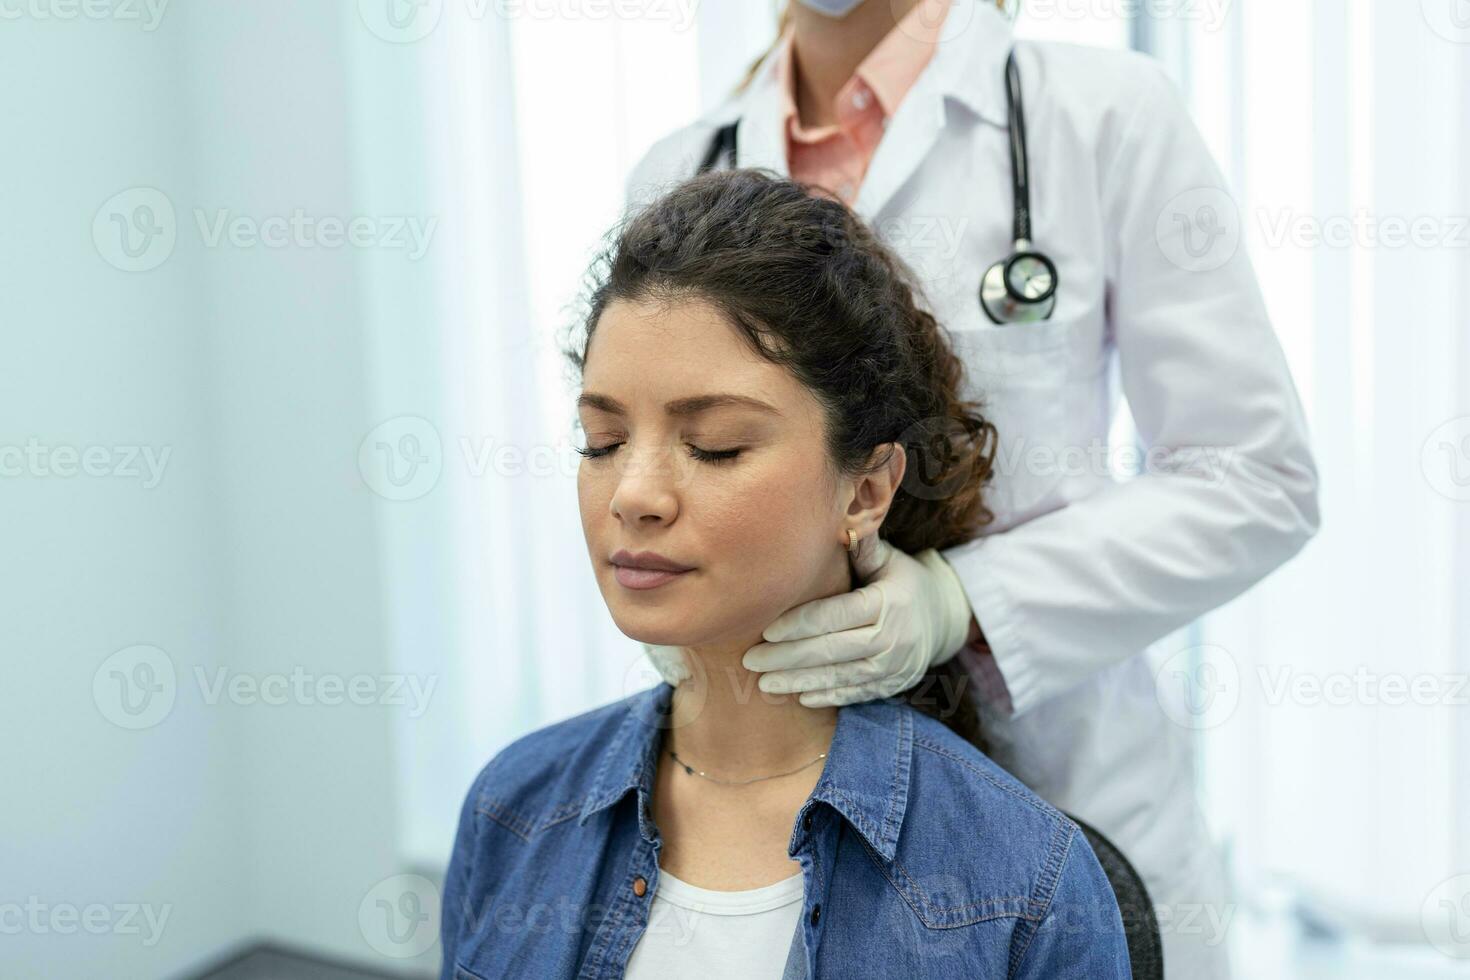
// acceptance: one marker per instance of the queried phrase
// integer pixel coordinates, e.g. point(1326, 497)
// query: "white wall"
point(256, 552)
point(93, 356)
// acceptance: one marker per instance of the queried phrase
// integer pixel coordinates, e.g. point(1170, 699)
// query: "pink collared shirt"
point(835, 157)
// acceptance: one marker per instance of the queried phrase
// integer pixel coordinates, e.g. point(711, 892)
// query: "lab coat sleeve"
point(1230, 489)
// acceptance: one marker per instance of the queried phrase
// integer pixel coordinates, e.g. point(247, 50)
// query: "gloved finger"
point(886, 684)
point(669, 662)
point(821, 678)
point(836, 697)
point(829, 614)
point(872, 554)
point(813, 651)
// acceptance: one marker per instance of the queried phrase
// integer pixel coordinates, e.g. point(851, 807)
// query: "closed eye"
point(715, 456)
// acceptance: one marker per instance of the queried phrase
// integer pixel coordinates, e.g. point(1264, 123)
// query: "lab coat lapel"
point(760, 138)
point(908, 138)
point(967, 67)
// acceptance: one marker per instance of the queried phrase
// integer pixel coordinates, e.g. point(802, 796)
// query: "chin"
point(657, 627)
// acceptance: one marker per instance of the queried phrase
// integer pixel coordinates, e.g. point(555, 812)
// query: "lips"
point(646, 569)
point(650, 560)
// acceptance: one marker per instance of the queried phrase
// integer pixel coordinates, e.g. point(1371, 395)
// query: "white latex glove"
point(669, 662)
point(872, 642)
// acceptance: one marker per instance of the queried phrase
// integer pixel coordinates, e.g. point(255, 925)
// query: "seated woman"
point(758, 380)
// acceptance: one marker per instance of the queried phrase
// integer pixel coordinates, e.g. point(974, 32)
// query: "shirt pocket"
point(1016, 356)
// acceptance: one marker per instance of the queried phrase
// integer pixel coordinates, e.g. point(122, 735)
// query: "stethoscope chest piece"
point(1021, 288)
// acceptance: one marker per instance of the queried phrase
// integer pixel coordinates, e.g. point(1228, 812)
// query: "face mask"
point(831, 8)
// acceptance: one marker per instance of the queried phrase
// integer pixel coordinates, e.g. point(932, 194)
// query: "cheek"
point(592, 500)
point(773, 516)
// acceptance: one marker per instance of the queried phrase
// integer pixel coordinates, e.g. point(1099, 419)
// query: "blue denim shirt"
point(921, 858)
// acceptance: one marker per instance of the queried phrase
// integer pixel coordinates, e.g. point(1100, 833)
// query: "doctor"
point(1130, 283)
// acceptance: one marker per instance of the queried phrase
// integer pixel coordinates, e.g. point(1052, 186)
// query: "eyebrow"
point(680, 407)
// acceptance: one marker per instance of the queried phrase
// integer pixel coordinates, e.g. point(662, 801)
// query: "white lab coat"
point(1081, 572)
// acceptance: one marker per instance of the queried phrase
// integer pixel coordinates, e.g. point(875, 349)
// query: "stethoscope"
point(1020, 288)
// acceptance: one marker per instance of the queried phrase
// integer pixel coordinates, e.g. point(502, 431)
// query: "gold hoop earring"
point(852, 541)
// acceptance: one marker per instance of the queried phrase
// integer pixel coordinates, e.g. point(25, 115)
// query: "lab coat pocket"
point(1015, 355)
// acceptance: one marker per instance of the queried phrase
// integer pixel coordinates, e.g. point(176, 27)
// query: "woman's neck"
point(827, 51)
point(724, 724)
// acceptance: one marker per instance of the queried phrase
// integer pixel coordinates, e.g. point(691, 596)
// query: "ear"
point(872, 493)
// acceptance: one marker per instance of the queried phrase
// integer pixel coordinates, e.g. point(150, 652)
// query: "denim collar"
point(866, 776)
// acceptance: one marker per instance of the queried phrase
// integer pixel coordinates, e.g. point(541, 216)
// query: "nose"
point(646, 491)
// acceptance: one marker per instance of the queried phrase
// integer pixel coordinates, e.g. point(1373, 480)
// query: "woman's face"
point(682, 466)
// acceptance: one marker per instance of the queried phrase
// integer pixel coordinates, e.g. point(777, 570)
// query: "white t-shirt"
point(715, 935)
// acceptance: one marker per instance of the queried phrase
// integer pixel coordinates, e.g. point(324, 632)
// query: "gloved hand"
point(872, 642)
point(669, 662)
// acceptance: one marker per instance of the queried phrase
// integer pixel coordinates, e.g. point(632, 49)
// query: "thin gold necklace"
point(738, 782)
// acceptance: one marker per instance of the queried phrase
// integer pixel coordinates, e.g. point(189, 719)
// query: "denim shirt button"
point(806, 822)
point(816, 913)
point(640, 886)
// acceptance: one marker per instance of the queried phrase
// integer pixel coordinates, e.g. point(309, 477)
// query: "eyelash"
point(713, 456)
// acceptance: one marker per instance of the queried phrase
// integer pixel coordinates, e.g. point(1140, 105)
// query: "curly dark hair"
point(813, 289)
